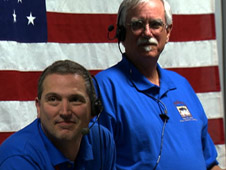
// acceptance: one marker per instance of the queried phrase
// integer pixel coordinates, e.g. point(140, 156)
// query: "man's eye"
point(135, 25)
point(74, 99)
point(155, 24)
point(77, 100)
point(52, 98)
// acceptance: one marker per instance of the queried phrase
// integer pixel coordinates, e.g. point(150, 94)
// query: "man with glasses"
point(154, 114)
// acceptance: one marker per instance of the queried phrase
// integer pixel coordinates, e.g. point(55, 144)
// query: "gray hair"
point(129, 4)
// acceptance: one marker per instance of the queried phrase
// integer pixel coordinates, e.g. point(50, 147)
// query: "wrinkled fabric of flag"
point(35, 33)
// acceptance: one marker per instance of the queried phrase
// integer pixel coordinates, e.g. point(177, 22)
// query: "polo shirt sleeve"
point(18, 163)
point(110, 151)
point(209, 149)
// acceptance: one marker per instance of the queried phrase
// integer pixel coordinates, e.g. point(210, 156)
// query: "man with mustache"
point(143, 103)
point(58, 138)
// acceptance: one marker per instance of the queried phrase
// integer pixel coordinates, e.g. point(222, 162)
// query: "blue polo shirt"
point(132, 108)
point(30, 149)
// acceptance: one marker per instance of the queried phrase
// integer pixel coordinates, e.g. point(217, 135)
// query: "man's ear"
point(37, 104)
point(168, 32)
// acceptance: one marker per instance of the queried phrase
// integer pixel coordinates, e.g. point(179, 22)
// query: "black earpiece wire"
point(163, 116)
point(98, 121)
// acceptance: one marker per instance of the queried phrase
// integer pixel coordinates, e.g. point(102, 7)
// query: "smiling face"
point(64, 108)
point(148, 41)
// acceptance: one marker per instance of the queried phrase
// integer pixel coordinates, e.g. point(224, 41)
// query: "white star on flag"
point(14, 16)
point(30, 19)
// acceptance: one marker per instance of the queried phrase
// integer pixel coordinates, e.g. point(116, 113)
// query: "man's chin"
point(66, 135)
point(149, 52)
point(149, 48)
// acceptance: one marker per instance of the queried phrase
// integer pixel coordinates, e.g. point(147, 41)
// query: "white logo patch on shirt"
point(184, 112)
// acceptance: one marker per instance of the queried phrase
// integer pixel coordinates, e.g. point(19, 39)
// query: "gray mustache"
point(151, 40)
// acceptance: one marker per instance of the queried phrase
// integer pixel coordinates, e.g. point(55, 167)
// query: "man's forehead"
point(153, 6)
point(54, 78)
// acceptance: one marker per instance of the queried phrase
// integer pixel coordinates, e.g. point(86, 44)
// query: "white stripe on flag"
point(212, 104)
point(17, 114)
point(36, 56)
point(98, 6)
point(221, 155)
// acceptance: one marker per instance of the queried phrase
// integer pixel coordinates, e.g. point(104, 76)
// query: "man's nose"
point(65, 110)
point(148, 31)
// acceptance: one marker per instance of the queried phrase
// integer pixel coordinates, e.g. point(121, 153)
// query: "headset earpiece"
point(97, 107)
point(121, 30)
point(121, 33)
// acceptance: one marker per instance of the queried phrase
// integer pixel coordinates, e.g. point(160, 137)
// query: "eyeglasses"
point(138, 25)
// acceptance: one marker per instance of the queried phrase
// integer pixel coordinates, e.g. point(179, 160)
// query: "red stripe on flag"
point(4, 135)
point(22, 86)
point(202, 79)
point(215, 129)
point(78, 28)
point(193, 28)
point(93, 28)
point(16, 85)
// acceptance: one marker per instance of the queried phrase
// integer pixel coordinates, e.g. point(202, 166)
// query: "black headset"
point(97, 107)
point(96, 104)
point(120, 30)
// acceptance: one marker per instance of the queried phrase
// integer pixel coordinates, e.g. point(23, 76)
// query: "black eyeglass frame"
point(140, 25)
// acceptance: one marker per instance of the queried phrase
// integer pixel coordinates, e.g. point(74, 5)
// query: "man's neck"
point(149, 70)
point(151, 74)
point(69, 149)
point(147, 66)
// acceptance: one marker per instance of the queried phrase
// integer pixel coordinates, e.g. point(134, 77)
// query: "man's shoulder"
point(108, 73)
point(98, 128)
point(99, 133)
point(173, 75)
point(112, 72)
point(21, 142)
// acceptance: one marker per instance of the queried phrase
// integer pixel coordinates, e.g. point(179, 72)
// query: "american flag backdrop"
point(35, 33)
